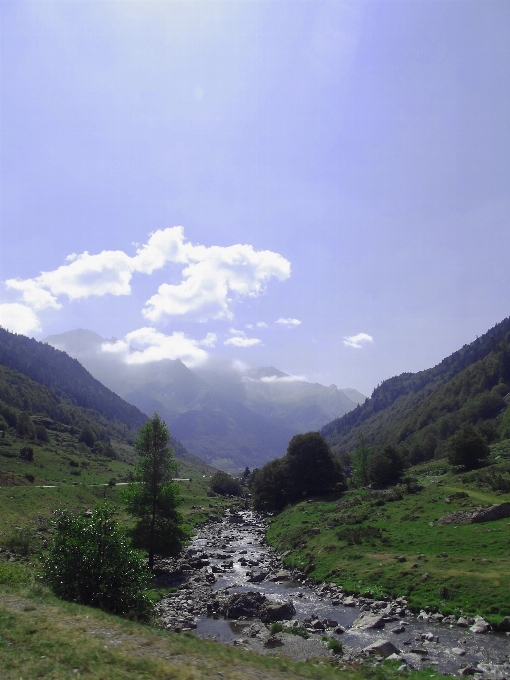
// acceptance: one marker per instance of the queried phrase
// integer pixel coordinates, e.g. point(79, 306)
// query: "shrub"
point(21, 542)
point(41, 433)
point(30, 477)
point(27, 453)
point(93, 563)
point(336, 646)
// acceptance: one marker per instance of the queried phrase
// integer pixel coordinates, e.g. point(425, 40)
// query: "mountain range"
point(230, 418)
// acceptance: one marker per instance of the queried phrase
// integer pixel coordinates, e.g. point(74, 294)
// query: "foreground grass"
point(453, 568)
point(41, 636)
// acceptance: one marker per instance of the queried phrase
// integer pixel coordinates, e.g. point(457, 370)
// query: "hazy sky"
point(320, 186)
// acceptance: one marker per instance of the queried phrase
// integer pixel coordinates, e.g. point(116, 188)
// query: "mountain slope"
point(420, 411)
point(38, 378)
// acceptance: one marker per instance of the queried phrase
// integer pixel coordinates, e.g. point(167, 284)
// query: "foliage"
point(361, 463)
point(92, 563)
point(41, 433)
point(25, 426)
point(20, 542)
point(467, 449)
point(27, 453)
point(153, 498)
point(308, 468)
point(386, 467)
point(87, 436)
point(336, 646)
point(226, 485)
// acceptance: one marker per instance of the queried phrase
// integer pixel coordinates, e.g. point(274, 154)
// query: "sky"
point(321, 186)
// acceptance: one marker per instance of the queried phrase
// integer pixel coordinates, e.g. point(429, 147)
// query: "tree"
point(311, 467)
point(386, 467)
point(92, 562)
point(467, 449)
point(25, 426)
point(87, 436)
point(308, 468)
point(226, 485)
point(361, 463)
point(153, 497)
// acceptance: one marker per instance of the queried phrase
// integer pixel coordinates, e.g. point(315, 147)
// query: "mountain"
point(419, 412)
point(38, 378)
point(230, 418)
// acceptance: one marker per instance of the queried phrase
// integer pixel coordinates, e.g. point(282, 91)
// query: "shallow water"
point(245, 541)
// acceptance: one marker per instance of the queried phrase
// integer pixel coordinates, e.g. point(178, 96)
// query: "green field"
point(355, 540)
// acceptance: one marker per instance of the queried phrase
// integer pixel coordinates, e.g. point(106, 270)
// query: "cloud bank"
point(358, 340)
point(239, 339)
point(146, 345)
point(212, 278)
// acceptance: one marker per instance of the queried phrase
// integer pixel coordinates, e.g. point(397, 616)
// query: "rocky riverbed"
point(232, 587)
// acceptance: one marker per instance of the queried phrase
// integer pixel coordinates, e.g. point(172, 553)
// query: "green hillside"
point(419, 412)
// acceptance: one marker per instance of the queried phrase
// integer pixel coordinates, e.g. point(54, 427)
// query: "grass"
point(453, 568)
point(44, 637)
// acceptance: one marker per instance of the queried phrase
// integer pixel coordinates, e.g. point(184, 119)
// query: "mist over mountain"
point(230, 416)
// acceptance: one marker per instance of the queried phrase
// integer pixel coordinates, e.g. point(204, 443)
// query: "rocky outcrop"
point(244, 604)
point(276, 611)
point(475, 515)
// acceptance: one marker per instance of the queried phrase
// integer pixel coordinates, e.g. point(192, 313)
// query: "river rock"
point(382, 647)
point(368, 621)
point(276, 611)
point(281, 576)
point(349, 602)
point(244, 604)
point(257, 576)
point(504, 625)
point(480, 626)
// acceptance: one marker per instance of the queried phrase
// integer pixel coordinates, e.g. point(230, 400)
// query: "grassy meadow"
point(357, 540)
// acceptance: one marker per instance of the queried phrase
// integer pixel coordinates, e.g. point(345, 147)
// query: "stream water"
point(230, 557)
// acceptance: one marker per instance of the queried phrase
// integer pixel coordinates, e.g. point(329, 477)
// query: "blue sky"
point(344, 165)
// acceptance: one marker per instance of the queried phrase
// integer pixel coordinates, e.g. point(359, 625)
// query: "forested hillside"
point(38, 379)
point(66, 377)
point(419, 412)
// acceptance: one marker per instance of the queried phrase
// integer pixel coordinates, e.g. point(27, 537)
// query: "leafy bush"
point(336, 646)
point(41, 433)
point(358, 535)
point(93, 563)
point(27, 453)
point(21, 542)
point(30, 477)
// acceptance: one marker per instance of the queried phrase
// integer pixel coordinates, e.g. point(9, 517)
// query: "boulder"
point(476, 515)
point(244, 604)
point(281, 576)
point(349, 602)
point(276, 611)
point(382, 647)
point(368, 621)
point(480, 626)
point(257, 576)
point(504, 625)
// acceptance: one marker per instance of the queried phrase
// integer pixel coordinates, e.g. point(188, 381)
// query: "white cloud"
point(357, 340)
point(209, 340)
point(147, 345)
point(18, 318)
point(275, 379)
point(290, 323)
point(262, 324)
point(212, 277)
point(239, 339)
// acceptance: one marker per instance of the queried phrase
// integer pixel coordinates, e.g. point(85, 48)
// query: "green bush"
point(336, 646)
point(93, 563)
point(27, 453)
point(21, 542)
